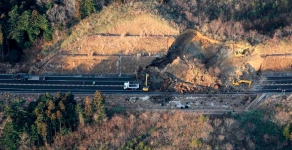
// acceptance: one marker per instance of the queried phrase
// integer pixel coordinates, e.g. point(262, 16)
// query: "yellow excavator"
point(242, 52)
point(241, 81)
point(146, 87)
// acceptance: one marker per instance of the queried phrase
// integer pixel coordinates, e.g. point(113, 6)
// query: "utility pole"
point(120, 65)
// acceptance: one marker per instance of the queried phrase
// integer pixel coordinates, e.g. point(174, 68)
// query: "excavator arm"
point(242, 81)
point(146, 87)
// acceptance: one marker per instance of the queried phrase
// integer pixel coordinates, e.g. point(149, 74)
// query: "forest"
point(36, 123)
point(57, 121)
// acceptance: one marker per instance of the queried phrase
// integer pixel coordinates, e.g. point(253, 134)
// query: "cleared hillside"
point(121, 20)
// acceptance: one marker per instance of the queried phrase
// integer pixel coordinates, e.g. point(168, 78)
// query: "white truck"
point(36, 78)
point(131, 86)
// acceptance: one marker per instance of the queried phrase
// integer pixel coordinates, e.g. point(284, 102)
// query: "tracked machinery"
point(146, 87)
point(237, 83)
point(242, 52)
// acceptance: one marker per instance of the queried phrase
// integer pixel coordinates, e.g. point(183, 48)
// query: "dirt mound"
point(176, 50)
point(195, 63)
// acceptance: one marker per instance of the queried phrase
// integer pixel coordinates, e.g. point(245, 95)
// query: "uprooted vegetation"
point(197, 63)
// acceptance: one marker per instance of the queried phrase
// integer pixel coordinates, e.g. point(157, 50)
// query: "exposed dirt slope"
point(116, 30)
point(197, 63)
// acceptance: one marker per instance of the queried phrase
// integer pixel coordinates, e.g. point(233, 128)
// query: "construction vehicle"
point(241, 81)
point(146, 87)
point(131, 86)
point(242, 52)
point(26, 77)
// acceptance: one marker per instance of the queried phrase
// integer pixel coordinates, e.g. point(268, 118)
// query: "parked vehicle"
point(26, 77)
point(131, 85)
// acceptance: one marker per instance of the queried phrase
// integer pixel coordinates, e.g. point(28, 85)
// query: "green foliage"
point(38, 120)
point(10, 138)
point(286, 131)
point(254, 125)
point(79, 111)
point(33, 134)
point(137, 143)
point(22, 22)
point(50, 115)
point(14, 31)
point(87, 8)
point(142, 146)
point(26, 27)
point(65, 131)
point(197, 144)
point(202, 118)
point(49, 5)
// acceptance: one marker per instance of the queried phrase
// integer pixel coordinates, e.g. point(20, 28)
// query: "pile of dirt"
point(195, 63)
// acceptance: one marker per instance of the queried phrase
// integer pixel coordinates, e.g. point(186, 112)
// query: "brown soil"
point(195, 63)
point(82, 65)
point(123, 45)
point(277, 64)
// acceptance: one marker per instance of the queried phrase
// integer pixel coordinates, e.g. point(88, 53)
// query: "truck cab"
point(131, 86)
point(20, 76)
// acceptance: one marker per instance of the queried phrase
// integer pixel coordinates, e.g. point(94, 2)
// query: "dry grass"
point(96, 64)
point(143, 24)
point(277, 64)
point(82, 65)
point(121, 20)
point(275, 47)
point(120, 45)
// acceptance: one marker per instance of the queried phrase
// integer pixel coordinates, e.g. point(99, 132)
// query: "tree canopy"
point(36, 123)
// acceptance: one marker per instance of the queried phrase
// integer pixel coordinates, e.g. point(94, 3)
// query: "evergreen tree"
point(59, 117)
point(14, 31)
point(286, 131)
point(10, 138)
point(99, 108)
point(79, 111)
point(44, 24)
point(33, 134)
point(39, 119)
point(87, 8)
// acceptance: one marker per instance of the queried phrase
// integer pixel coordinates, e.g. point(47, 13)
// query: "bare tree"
point(62, 12)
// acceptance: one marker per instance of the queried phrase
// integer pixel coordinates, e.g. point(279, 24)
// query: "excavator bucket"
point(242, 81)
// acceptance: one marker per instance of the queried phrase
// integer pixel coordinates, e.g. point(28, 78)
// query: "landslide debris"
point(195, 63)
